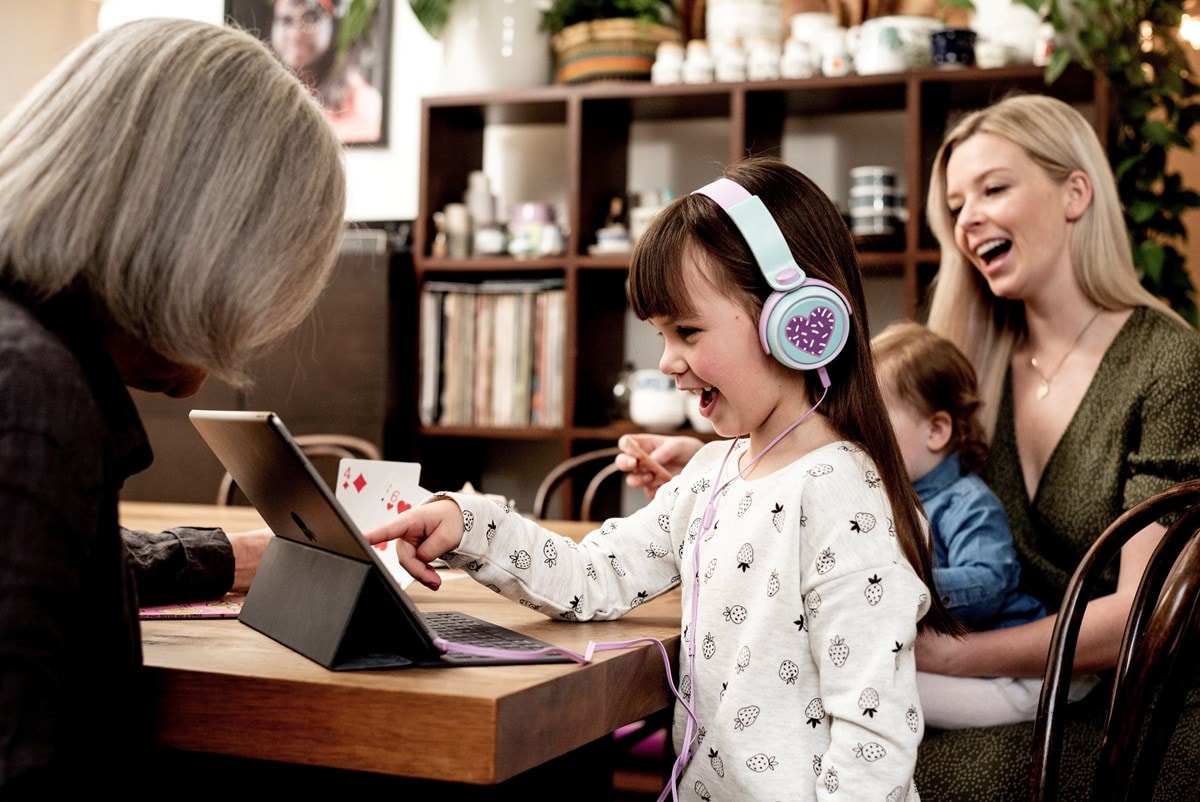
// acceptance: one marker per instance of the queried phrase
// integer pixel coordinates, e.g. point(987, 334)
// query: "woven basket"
point(619, 49)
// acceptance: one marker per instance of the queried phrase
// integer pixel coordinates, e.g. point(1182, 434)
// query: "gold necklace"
point(1043, 388)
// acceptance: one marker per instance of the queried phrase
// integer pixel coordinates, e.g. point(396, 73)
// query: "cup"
point(763, 60)
point(990, 55)
point(800, 60)
point(877, 48)
point(913, 32)
point(953, 47)
point(835, 55)
point(654, 401)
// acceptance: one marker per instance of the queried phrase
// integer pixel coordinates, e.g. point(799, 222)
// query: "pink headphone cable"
point(583, 659)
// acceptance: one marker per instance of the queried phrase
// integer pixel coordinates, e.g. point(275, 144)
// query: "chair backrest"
point(598, 463)
point(1156, 662)
point(314, 446)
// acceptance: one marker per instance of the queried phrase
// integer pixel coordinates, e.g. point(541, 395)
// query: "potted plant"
point(608, 40)
point(1134, 45)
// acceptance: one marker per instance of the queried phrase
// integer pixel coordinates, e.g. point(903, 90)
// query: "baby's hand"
point(423, 534)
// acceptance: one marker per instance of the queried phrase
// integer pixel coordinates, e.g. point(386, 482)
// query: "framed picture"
point(338, 48)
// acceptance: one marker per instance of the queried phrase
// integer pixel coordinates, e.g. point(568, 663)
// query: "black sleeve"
point(179, 565)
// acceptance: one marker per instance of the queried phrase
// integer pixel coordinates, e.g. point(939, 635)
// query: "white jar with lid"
point(763, 61)
point(668, 64)
point(729, 63)
point(698, 67)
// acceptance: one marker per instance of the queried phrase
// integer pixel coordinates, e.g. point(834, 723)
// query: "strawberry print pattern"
point(807, 615)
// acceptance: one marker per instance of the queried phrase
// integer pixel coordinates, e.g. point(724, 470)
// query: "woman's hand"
point(423, 534)
point(650, 460)
point(248, 550)
point(937, 653)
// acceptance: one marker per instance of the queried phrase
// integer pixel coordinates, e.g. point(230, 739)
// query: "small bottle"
point(438, 249)
point(458, 230)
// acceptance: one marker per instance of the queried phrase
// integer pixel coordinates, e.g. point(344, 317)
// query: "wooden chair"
point(314, 446)
point(1157, 659)
point(643, 747)
point(571, 468)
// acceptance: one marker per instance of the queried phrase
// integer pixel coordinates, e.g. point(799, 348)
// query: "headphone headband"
point(760, 231)
point(805, 322)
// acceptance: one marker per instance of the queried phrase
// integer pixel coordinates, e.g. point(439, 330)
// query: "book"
point(228, 606)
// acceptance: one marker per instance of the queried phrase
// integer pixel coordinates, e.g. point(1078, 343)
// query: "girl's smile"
point(713, 351)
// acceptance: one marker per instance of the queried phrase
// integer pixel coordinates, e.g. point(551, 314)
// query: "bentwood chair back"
point(596, 465)
point(1157, 659)
point(315, 447)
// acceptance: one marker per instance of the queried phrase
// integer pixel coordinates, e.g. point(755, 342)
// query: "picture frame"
point(339, 49)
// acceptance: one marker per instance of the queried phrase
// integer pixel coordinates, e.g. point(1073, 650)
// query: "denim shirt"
point(976, 569)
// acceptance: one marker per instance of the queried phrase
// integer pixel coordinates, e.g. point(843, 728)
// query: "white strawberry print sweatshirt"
point(804, 683)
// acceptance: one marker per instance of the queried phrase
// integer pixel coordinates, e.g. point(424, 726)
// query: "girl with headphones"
point(798, 542)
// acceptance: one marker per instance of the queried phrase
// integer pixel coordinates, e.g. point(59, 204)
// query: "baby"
point(929, 389)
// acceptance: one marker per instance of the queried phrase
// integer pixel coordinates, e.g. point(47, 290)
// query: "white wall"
point(35, 37)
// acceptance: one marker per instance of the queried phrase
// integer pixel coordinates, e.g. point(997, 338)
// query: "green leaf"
point(355, 25)
point(432, 14)
point(1140, 211)
point(1149, 257)
point(1059, 61)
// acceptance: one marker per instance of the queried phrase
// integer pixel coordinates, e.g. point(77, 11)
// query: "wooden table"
point(222, 687)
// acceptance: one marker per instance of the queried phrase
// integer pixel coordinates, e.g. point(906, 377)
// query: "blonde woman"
point(1091, 399)
point(171, 202)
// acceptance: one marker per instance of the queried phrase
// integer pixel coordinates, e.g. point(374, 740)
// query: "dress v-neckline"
point(1085, 401)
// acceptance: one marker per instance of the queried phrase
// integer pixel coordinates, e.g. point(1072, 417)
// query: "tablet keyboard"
point(458, 627)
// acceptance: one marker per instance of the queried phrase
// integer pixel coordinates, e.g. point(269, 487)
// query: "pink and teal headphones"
point(805, 322)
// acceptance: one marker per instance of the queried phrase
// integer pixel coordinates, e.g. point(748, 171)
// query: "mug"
point(954, 47)
point(990, 55)
point(877, 49)
point(835, 56)
point(800, 60)
point(912, 30)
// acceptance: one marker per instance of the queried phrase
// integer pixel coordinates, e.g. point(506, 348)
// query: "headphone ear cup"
point(807, 327)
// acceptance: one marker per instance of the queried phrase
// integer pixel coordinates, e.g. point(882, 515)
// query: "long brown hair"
point(822, 247)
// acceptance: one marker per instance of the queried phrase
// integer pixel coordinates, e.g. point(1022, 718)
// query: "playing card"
point(360, 479)
point(375, 491)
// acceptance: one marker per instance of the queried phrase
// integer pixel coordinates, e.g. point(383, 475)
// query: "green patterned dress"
point(1136, 432)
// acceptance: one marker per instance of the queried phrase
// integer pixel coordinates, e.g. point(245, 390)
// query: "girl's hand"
point(652, 459)
point(423, 534)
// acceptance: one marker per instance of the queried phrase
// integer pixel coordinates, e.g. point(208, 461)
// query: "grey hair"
point(1059, 139)
point(182, 176)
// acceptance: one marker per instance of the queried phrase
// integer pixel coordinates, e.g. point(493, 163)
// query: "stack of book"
point(492, 353)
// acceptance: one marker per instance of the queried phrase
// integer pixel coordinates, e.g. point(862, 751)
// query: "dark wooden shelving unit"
point(596, 123)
